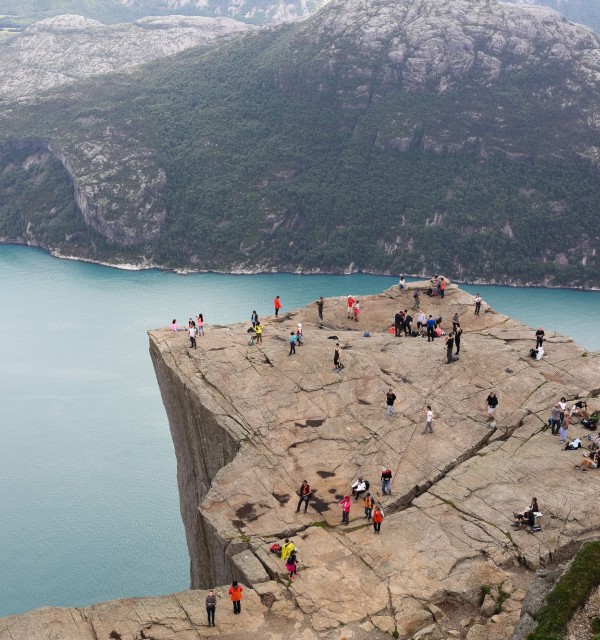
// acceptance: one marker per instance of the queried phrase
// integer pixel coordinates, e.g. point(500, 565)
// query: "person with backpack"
point(386, 481)
point(235, 593)
point(345, 503)
point(305, 493)
point(377, 519)
point(360, 486)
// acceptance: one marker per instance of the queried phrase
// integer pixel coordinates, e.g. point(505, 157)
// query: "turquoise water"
point(88, 491)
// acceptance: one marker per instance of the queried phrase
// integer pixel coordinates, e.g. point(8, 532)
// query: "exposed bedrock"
point(250, 423)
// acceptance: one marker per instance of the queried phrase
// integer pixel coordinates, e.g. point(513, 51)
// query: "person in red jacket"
point(277, 303)
point(350, 308)
point(235, 593)
point(377, 519)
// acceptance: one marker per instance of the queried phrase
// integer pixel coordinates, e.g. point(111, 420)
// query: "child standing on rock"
point(291, 564)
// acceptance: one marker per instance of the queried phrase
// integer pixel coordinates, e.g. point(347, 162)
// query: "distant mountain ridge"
point(583, 11)
point(385, 136)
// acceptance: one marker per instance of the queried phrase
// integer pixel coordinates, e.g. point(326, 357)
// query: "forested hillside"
point(330, 145)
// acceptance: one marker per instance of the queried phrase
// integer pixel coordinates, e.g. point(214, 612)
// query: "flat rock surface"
point(447, 530)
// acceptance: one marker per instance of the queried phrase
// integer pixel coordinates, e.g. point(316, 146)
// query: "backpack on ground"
point(275, 548)
point(367, 485)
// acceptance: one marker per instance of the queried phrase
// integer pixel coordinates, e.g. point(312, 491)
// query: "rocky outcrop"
point(62, 50)
point(447, 526)
point(249, 423)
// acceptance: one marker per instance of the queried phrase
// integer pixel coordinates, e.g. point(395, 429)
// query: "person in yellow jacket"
point(286, 549)
point(368, 504)
point(258, 330)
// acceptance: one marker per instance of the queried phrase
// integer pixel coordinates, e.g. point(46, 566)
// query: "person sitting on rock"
point(589, 463)
point(579, 409)
point(534, 507)
point(359, 487)
point(527, 520)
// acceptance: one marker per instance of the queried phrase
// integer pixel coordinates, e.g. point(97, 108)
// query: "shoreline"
point(149, 266)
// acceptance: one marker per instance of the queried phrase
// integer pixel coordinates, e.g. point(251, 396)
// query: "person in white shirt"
point(429, 423)
point(360, 486)
point(192, 332)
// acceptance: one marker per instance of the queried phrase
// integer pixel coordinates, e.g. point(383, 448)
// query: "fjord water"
point(88, 492)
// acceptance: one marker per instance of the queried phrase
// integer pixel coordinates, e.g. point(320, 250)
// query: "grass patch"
point(503, 596)
point(571, 591)
point(322, 524)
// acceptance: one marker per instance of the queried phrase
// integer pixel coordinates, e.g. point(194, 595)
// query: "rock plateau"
point(249, 423)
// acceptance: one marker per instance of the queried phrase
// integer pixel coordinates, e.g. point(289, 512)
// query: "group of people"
point(235, 595)
point(352, 308)
point(195, 328)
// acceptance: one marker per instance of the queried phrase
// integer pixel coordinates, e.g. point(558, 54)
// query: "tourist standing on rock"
point(305, 493)
point(430, 329)
point(442, 288)
point(235, 593)
point(492, 403)
point(421, 319)
point(539, 337)
point(356, 310)
point(390, 398)
point(450, 348)
point(337, 358)
point(564, 426)
point(455, 321)
point(291, 564)
point(555, 419)
point(345, 503)
point(457, 335)
point(402, 283)
point(386, 481)
point(350, 305)
point(211, 605)
point(407, 323)
point(292, 344)
point(477, 304)
point(258, 330)
point(428, 421)
point(192, 332)
point(377, 519)
point(254, 318)
point(299, 335)
point(277, 305)
point(320, 302)
point(286, 549)
point(397, 324)
point(417, 300)
point(368, 504)
point(200, 324)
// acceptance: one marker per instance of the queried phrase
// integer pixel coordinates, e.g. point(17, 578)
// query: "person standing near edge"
point(258, 331)
point(235, 593)
point(539, 337)
point(211, 605)
point(305, 493)
point(442, 288)
point(429, 421)
point(450, 348)
point(377, 519)
point(320, 302)
point(277, 305)
point(492, 403)
point(192, 332)
point(349, 307)
point(477, 304)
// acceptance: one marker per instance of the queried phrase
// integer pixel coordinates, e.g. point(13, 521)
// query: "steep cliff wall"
point(204, 443)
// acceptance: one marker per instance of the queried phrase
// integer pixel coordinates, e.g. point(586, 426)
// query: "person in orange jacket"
point(277, 304)
point(377, 518)
point(235, 593)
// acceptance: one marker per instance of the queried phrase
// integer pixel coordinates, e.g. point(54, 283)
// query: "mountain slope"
point(62, 50)
point(402, 136)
